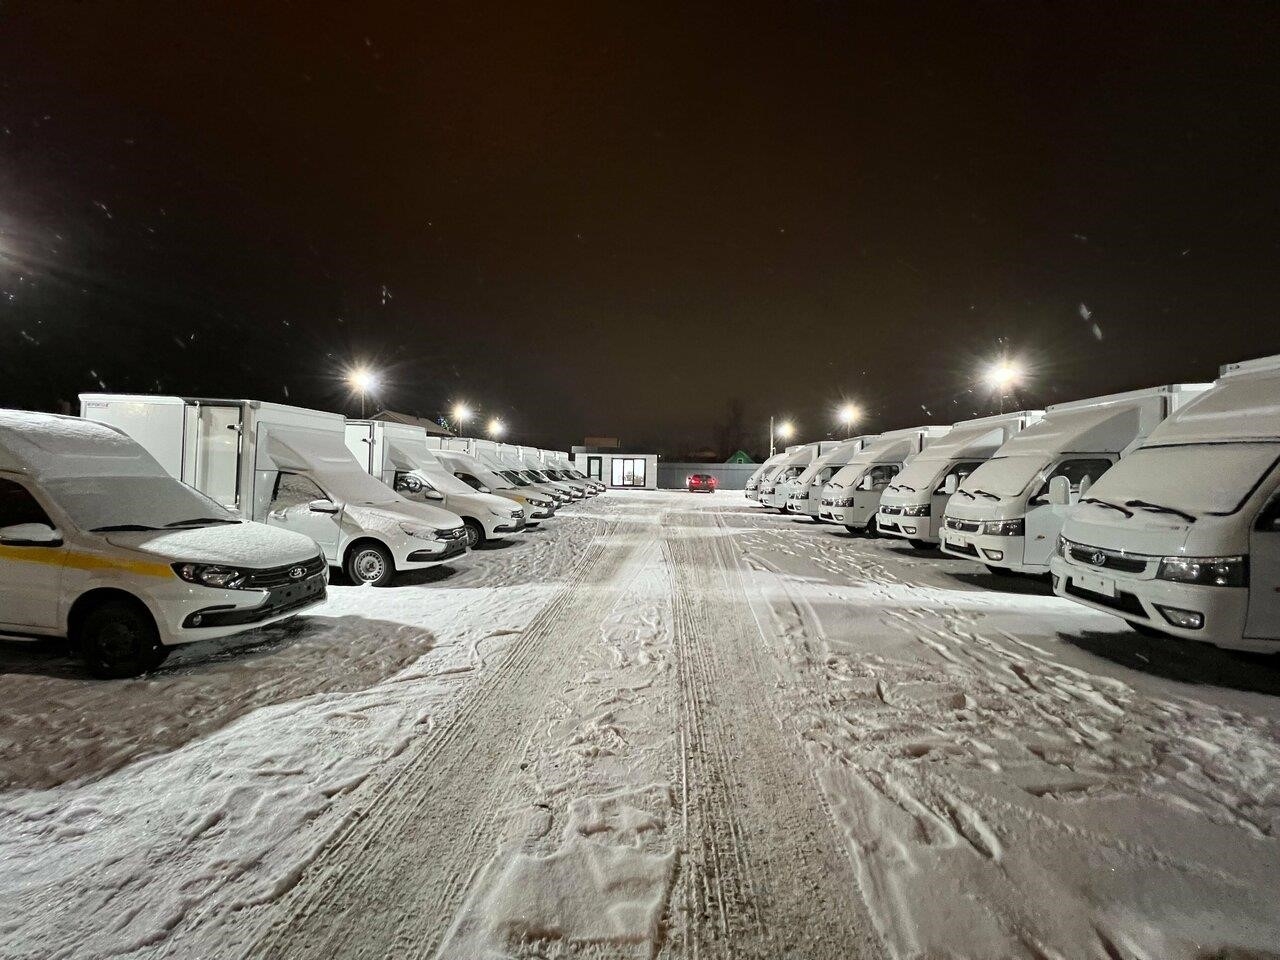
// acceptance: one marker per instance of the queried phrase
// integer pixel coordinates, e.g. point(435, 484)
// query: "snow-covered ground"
point(665, 725)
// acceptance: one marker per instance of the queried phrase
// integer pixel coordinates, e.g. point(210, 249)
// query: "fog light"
point(1056, 580)
point(1186, 619)
point(908, 529)
point(196, 618)
point(994, 554)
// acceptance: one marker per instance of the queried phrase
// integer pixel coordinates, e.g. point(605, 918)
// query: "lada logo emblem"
point(1098, 558)
point(297, 573)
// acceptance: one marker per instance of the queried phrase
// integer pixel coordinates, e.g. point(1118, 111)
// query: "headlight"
point(1206, 571)
point(1064, 545)
point(211, 575)
point(842, 502)
point(1005, 528)
point(917, 510)
point(419, 533)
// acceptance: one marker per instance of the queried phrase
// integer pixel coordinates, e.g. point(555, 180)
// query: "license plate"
point(1103, 586)
point(958, 540)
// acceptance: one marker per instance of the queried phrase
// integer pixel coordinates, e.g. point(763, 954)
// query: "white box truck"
point(852, 497)
point(752, 487)
point(912, 506)
point(532, 461)
point(1002, 515)
point(503, 461)
point(478, 476)
point(1182, 536)
point(398, 455)
point(100, 545)
point(556, 465)
point(805, 499)
point(290, 468)
point(777, 489)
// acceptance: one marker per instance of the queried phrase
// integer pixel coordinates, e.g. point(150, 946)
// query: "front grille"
point(891, 511)
point(889, 526)
point(1093, 557)
point(453, 533)
point(279, 576)
point(969, 526)
point(968, 549)
point(1121, 602)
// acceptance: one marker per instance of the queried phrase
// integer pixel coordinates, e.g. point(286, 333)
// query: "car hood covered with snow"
point(244, 544)
point(394, 512)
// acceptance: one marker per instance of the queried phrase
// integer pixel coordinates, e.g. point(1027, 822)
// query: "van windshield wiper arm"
point(199, 522)
point(1160, 508)
point(122, 528)
point(989, 496)
point(1107, 503)
point(902, 486)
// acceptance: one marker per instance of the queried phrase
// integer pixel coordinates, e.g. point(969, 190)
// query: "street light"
point(461, 414)
point(496, 428)
point(363, 381)
point(786, 430)
point(849, 414)
point(1002, 376)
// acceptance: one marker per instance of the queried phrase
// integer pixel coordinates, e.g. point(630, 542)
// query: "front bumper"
point(909, 528)
point(277, 603)
point(841, 515)
point(1004, 552)
point(1137, 599)
point(425, 557)
point(509, 526)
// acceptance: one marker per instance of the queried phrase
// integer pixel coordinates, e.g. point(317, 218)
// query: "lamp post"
point(1002, 376)
point(363, 381)
point(461, 414)
point(849, 414)
point(496, 428)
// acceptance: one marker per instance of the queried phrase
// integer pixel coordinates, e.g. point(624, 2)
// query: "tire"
point(118, 639)
point(369, 563)
point(1145, 630)
point(475, 532)
point(854, 530)
point(873, 528)
point(921, 544)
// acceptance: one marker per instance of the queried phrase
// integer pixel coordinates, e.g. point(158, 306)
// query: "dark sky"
point(612, 218)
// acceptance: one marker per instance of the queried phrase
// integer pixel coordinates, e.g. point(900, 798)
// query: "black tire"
point(854, 530)
point(1145, 630)
point(475, 532)
point(369, 562)
point(119, 639)
point(921, 544)
point(873, 528)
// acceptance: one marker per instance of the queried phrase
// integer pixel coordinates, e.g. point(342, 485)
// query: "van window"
point(961, 470)
point(1075, 471)
point(881, 474)
point(469, 480)
point(293, 489)
point(17, 505)
point(410, 483)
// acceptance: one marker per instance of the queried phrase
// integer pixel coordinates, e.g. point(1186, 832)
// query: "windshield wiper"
point(198, 521)
point(1159, 508)
point(902, 486)
point(1105, 503)
point(989, 496)
point(122, 528)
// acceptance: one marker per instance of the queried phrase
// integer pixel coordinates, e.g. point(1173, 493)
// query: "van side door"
point(290, 509)
point(1263, 621)
point(31, 571)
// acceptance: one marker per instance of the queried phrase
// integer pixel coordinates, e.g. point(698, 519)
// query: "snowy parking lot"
point(664, 724)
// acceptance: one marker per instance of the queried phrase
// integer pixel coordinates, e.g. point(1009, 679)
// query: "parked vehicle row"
point(154, 521)
point(1160, 506)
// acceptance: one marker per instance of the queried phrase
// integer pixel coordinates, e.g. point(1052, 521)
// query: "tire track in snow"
point(764, 873)
point(389, 882)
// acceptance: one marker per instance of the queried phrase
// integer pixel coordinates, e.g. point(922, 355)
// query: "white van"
point(1002, 514)
point(852, 497)
point(805, 497)
point(912, 506)
point(1182, 536)
point(772, 467)
point(502, 460)
point(289, 468)
point(776, 490)
point(752, 487)
point(98, 544)
point(397, 454)
point(531, 459)
point(556, 465)
point(465, 467)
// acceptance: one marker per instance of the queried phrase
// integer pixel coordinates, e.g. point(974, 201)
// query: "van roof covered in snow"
point(325, 452)
point(981, 437)
point(842, 453)
point(1109, 424)
point(894, 446)
point(44, 445)
point(1244, 404)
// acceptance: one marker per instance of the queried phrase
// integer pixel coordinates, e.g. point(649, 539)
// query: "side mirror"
point(323, 506)
point(483, 489)
point(1060, 491)
point(30, 535)
point(866, 483)
point(951, 484)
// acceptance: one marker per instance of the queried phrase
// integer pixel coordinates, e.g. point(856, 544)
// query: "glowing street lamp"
point(461, 414)
point(786, 430)
point(363, 381)
point(1003, 376)
point(849, 414)
point(496, 428)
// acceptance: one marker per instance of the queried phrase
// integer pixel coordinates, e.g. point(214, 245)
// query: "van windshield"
point(919, 475)
point(443, 480)
point(135, 503)
point(514, 478)
point(1004, 476)
point(1199, 479)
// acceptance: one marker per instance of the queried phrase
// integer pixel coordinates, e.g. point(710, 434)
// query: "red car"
point(701, 481)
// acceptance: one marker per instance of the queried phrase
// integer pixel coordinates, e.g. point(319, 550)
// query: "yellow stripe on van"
point(58, 557)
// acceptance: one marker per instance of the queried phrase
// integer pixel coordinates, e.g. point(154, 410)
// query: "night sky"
point(615, 218)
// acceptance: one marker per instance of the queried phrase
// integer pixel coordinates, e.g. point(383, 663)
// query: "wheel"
point(852, 529)
point(1145, 630)
point(475, 532)
point(873, 528)
point(369, 563)
point(921, 544)
point(119, 639)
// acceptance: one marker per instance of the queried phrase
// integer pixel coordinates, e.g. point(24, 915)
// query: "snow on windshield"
point(920, 475)
point(93, 502)
point(1200, 479)
point(1005, 476)
point(444, 480)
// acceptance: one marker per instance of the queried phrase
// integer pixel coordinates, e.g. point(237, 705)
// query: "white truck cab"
point(289, 468)
point(1002, 514)
point(777, 489)
point(752, 487)
point(397, 454)
point(805, 496)
point(100, 545)
point(913, 504)
point(502, 460)
point(1182, 536)
point(530, 460)
point(852, 497)
point(537, 506)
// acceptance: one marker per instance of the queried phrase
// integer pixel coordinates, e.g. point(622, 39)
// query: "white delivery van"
point(805, 499)
point(771, 468)
point(537, 506)
point(397, 454)
point(531, 459)
point(556, 465)
point(912, 506)
point(852, 497)
point(498, 458)
point(1002, 514)
point(777, 489)
point(289, 468)
point(100, 545)
point(1182, 536)
point(752, 487)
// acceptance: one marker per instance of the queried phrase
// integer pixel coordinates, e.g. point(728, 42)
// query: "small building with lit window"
point(617, 469)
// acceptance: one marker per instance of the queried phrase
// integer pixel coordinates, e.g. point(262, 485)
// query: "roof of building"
point(390, 416)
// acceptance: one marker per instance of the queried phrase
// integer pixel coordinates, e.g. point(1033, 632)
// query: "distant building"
point(432, 428)
point(601, 443)
point(615, 468)
point(740, 457)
